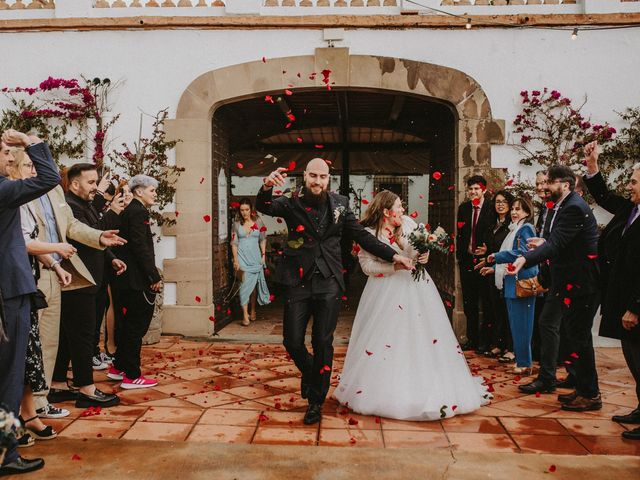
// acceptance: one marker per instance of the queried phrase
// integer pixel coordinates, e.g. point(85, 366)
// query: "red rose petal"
point(234, 204)
point(198, 299)
point(569, 287)
point(301, 272)
point(288, 92)
point(356, 249)
point(272, 297)
point(239, 165)
point(461, 224)
point(319, 147)
point(567, 301)
point(368, 352)
point(592, 257)
point(279, 220)
point(509, 182)
point(537, 394)
point(268, 98)
point(352, 441)
point(453, 407)
point(263, 417)
point(300, 228)
point(344, 298)
point(475, 202)
point(550, 204)
point(352, 421)
point(206, 218)
point(435, 340)
point(201, 182)
point(264, 60)
point(299, 139)
point(510, 267)
point(380, 275)
point(263, 228)
point(437, 175)
point(574, 355)
point(447, 303)
point(413, 214)
point(552, 468)
point(75, 456)
point(365, 201)
point(124, 310)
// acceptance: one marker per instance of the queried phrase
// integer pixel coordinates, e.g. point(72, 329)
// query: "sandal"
point(521, 371)
point(253, 317)
point(47, 433)
point(508, 357)
point(245, 322)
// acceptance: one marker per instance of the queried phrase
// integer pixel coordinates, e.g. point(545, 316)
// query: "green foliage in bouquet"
point(424, 240)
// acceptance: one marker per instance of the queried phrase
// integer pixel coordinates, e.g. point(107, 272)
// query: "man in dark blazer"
point(476, 218)
point(571, 248)
point(16, 278)
point(311, 270)
point(619, 259)
point(78, 311)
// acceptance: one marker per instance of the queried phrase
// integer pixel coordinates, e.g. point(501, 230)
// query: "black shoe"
point(566, 383)
point(567, 397)
point(304, 388)
point(537, 386)
point(632, 434)
point(21, 465)
point(314, 412)
point(57, 395)
point(98, 399)
point(633, 417)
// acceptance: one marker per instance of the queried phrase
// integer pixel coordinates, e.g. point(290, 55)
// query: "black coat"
point(138, 252)
point(94, 259)
point(571, 248)
point(300, 260)
point(619, 258)
point(484, 226)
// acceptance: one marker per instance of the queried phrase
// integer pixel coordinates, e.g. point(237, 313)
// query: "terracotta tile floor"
point(249, 393)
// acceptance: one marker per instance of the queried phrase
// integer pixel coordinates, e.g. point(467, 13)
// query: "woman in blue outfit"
point(248, 244)
point(520, 309)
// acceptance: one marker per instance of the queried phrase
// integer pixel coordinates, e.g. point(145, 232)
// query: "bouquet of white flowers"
point(424, 240)
point(8, 426)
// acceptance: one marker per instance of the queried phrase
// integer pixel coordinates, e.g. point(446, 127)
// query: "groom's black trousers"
point(320, 298)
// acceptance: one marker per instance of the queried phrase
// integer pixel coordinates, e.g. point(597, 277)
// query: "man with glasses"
point(570, 244)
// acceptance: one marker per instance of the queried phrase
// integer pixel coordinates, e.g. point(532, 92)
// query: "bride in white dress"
point(404, 361)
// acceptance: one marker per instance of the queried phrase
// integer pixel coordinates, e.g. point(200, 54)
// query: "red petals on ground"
point(538, 395)
point(378, 419)
point(300, 228)
point(198, 299)
point(436, 175)
point(566, 301)
point(352, 421)
point(447, 303)
point(240, 165)
point(75, 456)
point(368, 352)
point(461, 224)
point(475, 202)
point(550, 204)
point(201, 182)
point(413, 214)
point(552, 468)
point(91, 411)
point(352, 441)
point(263, 417)
point(206, 218)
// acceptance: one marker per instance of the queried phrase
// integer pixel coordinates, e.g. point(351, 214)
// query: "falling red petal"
point(437, 175)
point(574, 355)
point(569, 287)
point(264, 60)
point(272, 297)
point(475, 202)
point(124, 310)
point(435, 340)
point(550, 204)
point(365, 201)
point(447, 303)
point(301, 272)
point(592, 257)
point(288, 92)
point(268, 98)
point(234, 204)
point(198, 299)
point(300, 228)
point(75, 456)
point(239, 165)
point(299, 139)
point(413, 214)
point(318, 146)
point(567, 301)
point(207, 218)
point(368, 352)
point(552, 468)
point(461, 224)
point(509, 182)
point(212, 318)
point(201, 181)
point(292, 166)
point(344, 298)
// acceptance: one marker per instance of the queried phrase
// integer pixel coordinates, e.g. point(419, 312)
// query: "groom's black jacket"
point(299, 260)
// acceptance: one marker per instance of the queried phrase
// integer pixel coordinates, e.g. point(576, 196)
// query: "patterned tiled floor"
point(249, 393)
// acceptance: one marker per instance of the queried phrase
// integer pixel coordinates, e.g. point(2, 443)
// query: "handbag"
point(529, 287)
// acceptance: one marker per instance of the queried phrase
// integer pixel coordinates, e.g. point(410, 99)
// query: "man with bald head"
point(311, 270)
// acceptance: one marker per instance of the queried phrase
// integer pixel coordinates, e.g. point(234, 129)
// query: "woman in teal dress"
point(248, 244)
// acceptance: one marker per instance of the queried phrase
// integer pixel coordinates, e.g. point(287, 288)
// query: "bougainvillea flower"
point(300, 228)
point(550, 204)
point(239, 165)
point(475, 202)
point(206, 218)
point(437, 175)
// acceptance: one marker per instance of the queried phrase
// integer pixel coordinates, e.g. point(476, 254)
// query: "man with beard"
point(571, 248)
point(311, 271)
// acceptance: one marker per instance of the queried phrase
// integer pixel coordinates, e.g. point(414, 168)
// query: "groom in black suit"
point(311, 271)
point(571, 245)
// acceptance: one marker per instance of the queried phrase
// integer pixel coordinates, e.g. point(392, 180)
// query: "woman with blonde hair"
point(403, 361)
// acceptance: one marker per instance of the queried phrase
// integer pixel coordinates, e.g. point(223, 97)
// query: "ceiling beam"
point(359, 147)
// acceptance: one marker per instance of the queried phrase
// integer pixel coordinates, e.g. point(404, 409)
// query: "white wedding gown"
point(404, 361)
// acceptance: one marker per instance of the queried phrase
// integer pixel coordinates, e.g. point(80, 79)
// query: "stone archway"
point(197, 255)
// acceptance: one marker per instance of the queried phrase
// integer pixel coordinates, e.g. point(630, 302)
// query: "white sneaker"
point(106, 358)
point(49, 411)
point(99, 364)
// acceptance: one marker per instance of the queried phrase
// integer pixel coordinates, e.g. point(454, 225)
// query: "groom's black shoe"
point(21, 465)
point(537, 386)
point(304, 387)
point(313, 414)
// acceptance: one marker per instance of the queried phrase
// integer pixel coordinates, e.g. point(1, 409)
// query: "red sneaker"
point(114, 373)
point(140, 382)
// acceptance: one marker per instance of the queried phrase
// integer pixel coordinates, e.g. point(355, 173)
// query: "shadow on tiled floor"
point(249, 393)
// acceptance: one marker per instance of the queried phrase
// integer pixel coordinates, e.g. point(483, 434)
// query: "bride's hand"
point(423, 258)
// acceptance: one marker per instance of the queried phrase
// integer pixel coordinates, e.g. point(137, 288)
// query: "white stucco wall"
point(157, 66)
